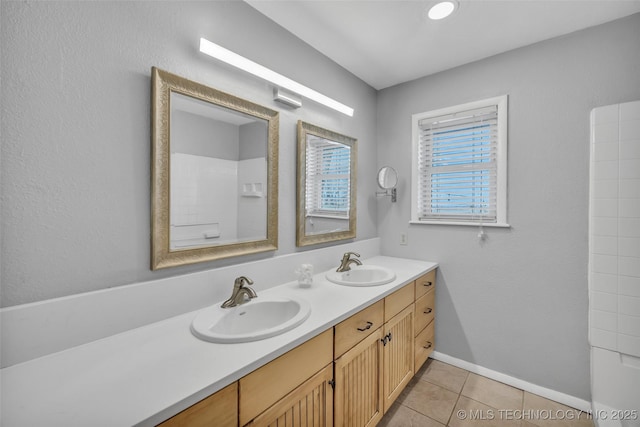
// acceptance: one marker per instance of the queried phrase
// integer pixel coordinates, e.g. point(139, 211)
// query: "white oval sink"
point(255, 320)
point(362, 275)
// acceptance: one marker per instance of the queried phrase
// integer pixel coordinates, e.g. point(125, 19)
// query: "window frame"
point(501, 102)
point(318, 179)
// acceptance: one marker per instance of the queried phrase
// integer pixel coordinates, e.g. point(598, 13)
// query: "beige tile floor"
point(444, 395)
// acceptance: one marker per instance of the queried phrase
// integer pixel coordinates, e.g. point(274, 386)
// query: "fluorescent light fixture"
point(442, 9)
point(264, 73)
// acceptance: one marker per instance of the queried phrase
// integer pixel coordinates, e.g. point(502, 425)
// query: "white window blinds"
point(459, 166)
point(327, 181)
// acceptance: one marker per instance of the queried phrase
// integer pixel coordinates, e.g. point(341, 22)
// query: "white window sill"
point(471, 224)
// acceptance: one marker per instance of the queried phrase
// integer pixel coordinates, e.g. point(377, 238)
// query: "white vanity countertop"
point(148, 374)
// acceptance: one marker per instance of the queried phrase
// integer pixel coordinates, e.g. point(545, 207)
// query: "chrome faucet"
point(240, 292)
point(347, 260)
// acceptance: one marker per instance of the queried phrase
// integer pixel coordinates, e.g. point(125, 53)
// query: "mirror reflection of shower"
point(387, 180)
point(218, 175)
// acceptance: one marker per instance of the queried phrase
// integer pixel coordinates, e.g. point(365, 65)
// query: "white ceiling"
point(386, 42)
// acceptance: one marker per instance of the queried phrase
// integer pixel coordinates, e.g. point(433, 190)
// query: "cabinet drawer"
point(398, 301)
point(351, 331)
point(425, 310)
point(220, 409)
point(268, 384)
point(424, 344)
point(425, 283)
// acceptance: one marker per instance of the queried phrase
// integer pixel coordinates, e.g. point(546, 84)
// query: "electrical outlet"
point(403, 239)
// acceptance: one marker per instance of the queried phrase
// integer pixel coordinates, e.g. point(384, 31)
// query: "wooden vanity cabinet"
point(425, 310)
point(219, 409)
point(372, 373)
point(369, 358)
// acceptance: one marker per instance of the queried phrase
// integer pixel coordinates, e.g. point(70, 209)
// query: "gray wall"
point(202, 136)
point(517, 303)
point(75, 124)
point(250, 136)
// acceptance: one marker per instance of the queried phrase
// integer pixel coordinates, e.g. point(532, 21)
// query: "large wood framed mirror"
point(214, 174)
point(326, 186)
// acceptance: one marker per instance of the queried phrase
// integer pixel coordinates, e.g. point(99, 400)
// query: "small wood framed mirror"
point(326, 186)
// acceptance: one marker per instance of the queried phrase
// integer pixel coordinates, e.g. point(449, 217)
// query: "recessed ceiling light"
point(442, 9)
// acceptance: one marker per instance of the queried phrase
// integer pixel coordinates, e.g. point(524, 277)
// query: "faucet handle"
point(351, 253)
point(241, 281)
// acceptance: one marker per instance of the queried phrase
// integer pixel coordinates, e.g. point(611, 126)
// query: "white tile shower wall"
point(603, 241)
point(614, 234)
point(252, 204)
point(192, 177)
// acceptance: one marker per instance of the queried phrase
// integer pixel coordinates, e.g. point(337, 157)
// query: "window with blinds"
point(327, 182)
point(459, 171)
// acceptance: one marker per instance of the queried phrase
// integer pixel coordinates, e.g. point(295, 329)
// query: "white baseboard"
point(556, 396)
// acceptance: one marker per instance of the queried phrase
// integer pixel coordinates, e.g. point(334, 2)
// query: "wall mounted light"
point(442, 9)
point(238, 61)
point(287, 98)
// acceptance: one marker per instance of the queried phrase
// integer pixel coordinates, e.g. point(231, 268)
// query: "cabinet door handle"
point(427, 284)
point(386, 339)
point(429, 310)
point(429, 345)
point(369, 325)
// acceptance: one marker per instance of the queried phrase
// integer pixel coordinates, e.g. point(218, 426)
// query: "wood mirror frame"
point(163, 84)
point(305, 237)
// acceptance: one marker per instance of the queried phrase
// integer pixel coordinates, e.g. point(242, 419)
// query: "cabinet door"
point(398, 354)
point(219, 409)
point(358, 393)
point(267, 385)
point(309, 405)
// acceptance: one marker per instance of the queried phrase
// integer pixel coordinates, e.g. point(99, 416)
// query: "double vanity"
point(162, 372)
point(369, 330)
